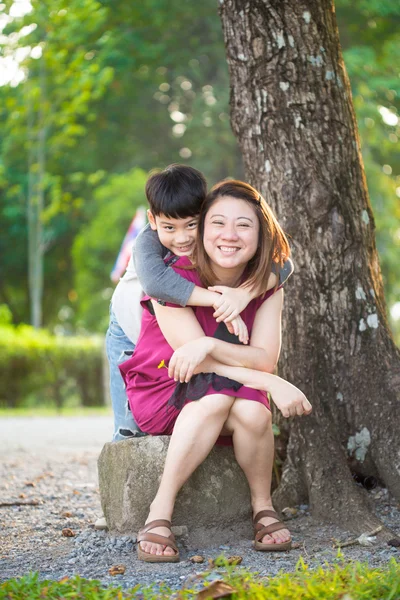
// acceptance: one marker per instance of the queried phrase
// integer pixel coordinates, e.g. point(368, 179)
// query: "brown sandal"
point(144, 536)
point(260, 530)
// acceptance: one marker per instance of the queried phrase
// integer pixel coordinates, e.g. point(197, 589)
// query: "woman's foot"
point(150, 539)
point(280, 536)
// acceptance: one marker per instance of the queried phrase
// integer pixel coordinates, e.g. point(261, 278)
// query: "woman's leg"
point(253, 440)
point(195, 433)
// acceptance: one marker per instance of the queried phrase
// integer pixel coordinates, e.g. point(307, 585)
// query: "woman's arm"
point(289, 399)
point(263, 352)
point(261, 355)
point(180, 327)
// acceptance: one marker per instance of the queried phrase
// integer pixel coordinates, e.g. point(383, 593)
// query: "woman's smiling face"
point(231, 231)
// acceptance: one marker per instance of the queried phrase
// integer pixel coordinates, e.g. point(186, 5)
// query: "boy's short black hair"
point(178, 191)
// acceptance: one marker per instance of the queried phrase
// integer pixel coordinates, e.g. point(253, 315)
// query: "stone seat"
point(213, 506)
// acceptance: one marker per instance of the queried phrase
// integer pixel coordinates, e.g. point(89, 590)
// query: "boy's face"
point(178, 235)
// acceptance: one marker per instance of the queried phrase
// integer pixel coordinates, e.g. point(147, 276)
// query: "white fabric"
point(126, 303)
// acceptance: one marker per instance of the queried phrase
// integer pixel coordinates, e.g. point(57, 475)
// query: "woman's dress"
point(154, 398)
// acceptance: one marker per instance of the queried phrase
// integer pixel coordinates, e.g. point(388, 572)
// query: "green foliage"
point(5, 315)
point(142, 85)
point(96, 247)
point(43, 369)
point(356, 581)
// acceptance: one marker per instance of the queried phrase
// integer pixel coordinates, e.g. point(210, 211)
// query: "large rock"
point(214, 505)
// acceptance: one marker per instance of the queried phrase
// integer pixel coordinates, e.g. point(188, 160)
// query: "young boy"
point(175, 196)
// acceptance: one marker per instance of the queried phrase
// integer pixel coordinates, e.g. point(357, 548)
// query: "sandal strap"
point(268, 530)
point(265, 513)
point(157, 539)
point(154, 524)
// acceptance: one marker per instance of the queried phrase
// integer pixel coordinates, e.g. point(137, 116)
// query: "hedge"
point(42, 369)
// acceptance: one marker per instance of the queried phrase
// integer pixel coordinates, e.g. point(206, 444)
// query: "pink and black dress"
point(154, 398)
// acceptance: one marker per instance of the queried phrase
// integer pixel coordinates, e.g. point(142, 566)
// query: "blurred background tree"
point(116, 89)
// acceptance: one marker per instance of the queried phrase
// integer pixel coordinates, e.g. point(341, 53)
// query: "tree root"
point(316, 470)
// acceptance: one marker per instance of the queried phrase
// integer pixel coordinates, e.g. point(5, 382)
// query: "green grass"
point(51, 411)
point(352, 581)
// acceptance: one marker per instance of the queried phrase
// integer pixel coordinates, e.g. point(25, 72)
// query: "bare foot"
point(276, 537)
point(153, 548)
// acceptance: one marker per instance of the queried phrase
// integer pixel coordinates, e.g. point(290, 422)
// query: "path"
point(45, 435)
point(53, 461)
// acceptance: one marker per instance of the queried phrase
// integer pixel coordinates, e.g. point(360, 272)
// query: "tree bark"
point(292, 113)
point(36, 190)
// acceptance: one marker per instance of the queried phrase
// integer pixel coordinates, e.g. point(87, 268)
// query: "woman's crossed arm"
point(251, 365)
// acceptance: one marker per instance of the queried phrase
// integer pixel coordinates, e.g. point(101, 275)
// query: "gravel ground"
point(61, 482)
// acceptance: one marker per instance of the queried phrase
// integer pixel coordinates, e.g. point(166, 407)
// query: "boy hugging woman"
point(203, 297)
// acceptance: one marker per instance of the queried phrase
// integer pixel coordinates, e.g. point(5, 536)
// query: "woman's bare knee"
point(215, 405)
point(252, 415)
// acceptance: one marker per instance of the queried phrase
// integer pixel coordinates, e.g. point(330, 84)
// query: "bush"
point(39, 368)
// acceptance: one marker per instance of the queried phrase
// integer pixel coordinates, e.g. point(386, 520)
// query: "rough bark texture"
point(292, 113)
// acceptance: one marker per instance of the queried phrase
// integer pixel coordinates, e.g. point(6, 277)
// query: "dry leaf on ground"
point(117, 570)
point(218, 589)
point(196, 559)
point(234, 560)
point(296, 545)
point(67, 532)
point(221, 561)
point(66, 514)
point(30, 484)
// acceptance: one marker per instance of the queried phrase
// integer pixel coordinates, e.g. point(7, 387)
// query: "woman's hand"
point(288, 398)
point(231, 302)
point(186, 358)
point(238, 327)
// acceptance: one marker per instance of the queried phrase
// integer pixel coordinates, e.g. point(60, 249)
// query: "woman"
point(239, 238)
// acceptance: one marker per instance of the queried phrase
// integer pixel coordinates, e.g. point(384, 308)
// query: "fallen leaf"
point(66, 514)
point(218, 589)
point(222, 561)
point(68, 532)
point(30, 484)
point(196, 559)
point(117, 570)
point(289, 512)
point(22, 496)
point(76, 493)
point(296, 545)
point(234, 560)
point(63, 579)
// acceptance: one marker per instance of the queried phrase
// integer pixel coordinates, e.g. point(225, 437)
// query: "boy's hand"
point(288, 398)
point(238, 327)
point(186, 358)
point(231, 302)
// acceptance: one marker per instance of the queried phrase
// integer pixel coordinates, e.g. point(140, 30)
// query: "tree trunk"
point(292, 113)
point(36, 184)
